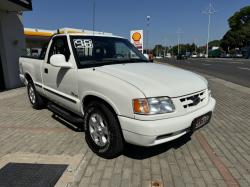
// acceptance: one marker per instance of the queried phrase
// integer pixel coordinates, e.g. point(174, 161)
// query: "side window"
point(59, 46)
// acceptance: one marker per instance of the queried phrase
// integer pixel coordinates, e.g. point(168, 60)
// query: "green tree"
point(183, 49)
point(214, 43)
point(202, 49)
point(239, 33)
point(240, 18)
point(174, 50)
point(158, 50)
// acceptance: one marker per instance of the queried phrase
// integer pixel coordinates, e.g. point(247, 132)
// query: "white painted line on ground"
point(243, 68)
point(235, 62)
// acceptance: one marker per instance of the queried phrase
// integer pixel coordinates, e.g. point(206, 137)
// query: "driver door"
point(60, 84)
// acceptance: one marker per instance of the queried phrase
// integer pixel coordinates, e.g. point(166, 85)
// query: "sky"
point(121, 16)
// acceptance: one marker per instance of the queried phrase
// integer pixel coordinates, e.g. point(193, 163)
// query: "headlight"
point(158, 105)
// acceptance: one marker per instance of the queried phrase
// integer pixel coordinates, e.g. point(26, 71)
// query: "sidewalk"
point(216, 155)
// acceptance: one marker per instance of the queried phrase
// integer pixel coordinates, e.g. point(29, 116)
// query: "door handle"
point(46, 70)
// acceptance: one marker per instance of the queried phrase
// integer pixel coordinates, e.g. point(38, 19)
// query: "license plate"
point(201, 121)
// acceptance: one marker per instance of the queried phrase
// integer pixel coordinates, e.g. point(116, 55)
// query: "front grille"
point(193, 99)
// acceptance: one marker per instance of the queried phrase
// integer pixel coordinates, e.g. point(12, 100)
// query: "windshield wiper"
point(104, 62)
point(137, 60)
point(129, 60)
point(94, 63)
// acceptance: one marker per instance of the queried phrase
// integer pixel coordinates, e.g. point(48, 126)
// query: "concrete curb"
point(228, 84)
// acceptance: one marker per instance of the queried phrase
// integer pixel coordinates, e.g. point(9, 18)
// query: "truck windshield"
point(91, 51)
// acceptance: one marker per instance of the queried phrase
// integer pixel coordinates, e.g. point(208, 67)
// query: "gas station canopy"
point(15, 5)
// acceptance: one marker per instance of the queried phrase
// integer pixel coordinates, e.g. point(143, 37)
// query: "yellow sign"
point(136, 36)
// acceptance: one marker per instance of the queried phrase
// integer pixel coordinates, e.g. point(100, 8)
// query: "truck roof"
point(89, 34)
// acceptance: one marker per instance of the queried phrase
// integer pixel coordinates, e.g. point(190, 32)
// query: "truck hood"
point(156, 79)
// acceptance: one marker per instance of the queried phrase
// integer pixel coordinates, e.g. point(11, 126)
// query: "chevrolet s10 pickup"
point(108, 87)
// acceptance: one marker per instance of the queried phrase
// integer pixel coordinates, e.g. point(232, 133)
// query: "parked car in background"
point(194, 55)
point(246, 50)
point(181, 57)
point(201, 55)
point(168, 55)
point(238, 55)
point(228, 55)
point(158, 57)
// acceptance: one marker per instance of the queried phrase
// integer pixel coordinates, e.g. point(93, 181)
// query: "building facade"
point(12, 41)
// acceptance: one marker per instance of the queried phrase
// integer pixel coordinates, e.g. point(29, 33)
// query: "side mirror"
point(59, 60)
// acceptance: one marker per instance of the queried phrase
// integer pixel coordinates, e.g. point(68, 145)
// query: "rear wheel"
point(103, 133)
point(37, 101)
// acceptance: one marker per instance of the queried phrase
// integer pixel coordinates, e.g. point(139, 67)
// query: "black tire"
point(115, 142)
point(37, 101)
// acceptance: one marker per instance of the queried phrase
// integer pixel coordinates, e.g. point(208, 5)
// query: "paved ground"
point(216, 155)
point(233, 70)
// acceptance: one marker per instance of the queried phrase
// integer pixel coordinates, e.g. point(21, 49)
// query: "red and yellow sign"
point(136, 38)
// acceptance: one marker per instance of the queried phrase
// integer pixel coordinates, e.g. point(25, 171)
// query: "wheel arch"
point(28, 77)
point(89, 98)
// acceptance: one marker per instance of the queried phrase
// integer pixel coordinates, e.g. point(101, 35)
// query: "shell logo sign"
point(136, 38)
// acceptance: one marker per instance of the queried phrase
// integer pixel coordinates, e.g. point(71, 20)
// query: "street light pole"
point(147, 39)
point(208, 32)
point(165, 51)
point(178, 44)
point(179, 32)
point(195, 46)
point(93, 17)
point(210, 11)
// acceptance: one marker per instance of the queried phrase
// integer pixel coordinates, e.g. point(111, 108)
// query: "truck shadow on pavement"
point(140, 153)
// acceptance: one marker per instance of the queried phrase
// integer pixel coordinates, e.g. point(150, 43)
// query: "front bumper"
point(150, 133)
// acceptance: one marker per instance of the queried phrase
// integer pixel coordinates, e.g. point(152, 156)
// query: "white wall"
point(12, 46)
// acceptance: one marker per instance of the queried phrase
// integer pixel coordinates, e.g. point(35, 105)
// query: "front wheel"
point(103, 133)
point(36, 100)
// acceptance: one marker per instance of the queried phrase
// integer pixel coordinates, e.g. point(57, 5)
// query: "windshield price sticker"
point(83, 43)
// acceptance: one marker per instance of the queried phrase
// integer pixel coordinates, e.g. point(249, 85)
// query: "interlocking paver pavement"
point(185, 162)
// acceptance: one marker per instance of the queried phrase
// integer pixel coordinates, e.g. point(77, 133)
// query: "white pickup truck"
point(108, 86)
